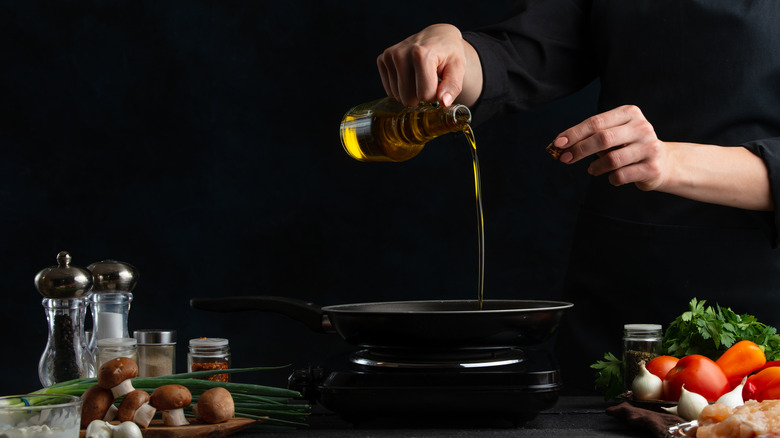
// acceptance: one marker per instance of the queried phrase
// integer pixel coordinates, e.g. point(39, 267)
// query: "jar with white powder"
point(156, 352)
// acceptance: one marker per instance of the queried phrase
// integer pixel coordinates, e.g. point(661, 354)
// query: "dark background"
point(198, 141)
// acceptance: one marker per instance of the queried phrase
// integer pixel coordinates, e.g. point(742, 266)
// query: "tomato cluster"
point(711, 379)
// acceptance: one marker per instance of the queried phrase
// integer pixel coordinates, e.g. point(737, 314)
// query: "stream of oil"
point(469, 134)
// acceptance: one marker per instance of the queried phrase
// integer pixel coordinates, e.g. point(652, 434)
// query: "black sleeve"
point(769, 151)
point(540, 53)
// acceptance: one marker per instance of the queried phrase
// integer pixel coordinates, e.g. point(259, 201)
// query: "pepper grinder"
point(113, 283)
point(64, 289)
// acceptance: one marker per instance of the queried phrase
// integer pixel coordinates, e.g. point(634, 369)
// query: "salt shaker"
point(641, 342)
point(110, 300)
point(64, 289)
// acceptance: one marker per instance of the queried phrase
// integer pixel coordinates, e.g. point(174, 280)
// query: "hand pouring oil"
point(386, 130)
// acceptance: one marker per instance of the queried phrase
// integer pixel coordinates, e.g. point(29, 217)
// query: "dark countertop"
point(571, 416)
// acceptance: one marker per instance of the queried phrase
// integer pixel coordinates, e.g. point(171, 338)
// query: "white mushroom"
point(171, 401)
point(116, 375)
point(215, 406)
point(135, 407)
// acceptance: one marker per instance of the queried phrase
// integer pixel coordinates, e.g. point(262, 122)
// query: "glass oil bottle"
point(386, 130)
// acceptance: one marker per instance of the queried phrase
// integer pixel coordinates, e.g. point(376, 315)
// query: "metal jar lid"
point(113, 276)
point(63, 280)
point(155, 337)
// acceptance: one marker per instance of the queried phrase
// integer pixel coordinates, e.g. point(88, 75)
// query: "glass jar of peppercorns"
point(64, 288)
point(209, 354)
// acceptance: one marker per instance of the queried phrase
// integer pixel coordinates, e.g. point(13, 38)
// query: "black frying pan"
point(414, 324)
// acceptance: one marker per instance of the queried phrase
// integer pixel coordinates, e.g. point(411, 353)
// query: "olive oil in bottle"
point(386, 130)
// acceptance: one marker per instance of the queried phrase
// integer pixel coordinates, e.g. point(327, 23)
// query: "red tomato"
point(699, 374)
point(661, 365)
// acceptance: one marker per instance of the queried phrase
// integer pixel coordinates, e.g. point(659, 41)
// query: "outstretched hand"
point(625, 142)
point(628, 150)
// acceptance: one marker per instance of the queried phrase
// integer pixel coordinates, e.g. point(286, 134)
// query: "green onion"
point(269, 404)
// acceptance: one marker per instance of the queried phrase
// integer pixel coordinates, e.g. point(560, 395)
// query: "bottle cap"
point(208, 342)
point(63, 280)
point(155, 337)
point(113, 276)
point(642, 327)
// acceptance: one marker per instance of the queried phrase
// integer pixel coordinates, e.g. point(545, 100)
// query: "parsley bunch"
point(711, 331)
point(708, 331)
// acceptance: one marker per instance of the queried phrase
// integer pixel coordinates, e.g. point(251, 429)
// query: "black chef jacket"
point(703, 71)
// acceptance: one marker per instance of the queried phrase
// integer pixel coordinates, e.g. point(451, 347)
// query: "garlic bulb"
point(646, 385)
point(104, 429)
point(99, 429)
point(733, 398)
point(690, 405)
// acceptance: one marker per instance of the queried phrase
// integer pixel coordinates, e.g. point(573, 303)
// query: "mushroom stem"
point(144, 414)
point(111, 413)
point(174, 417)
point(123, 388)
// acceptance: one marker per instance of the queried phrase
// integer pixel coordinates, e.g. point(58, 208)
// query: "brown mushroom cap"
point(95, 403)
point(215, 406)
point(132, 401)
point(116, 371)
point(169, 397)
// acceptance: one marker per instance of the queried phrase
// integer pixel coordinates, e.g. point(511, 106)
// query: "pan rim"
point(550, 305)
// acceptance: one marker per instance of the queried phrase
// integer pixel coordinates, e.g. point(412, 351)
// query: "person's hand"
point(430, 66)
point(627, 147)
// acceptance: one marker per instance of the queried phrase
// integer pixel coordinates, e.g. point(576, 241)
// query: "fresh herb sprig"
point(704, 330)
point(609, 376)
point(710, 331)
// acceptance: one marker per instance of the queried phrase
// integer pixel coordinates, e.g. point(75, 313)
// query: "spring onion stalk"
point(271, 405)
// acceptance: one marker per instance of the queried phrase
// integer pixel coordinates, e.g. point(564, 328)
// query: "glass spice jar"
point(641, 342)
point(156, 352)
point(208, 354)
point(110, 348)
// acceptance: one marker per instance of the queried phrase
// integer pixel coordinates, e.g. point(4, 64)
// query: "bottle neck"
point(423, 123)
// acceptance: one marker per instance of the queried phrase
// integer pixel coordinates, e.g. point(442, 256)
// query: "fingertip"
point(446, 99)
point(560, 142)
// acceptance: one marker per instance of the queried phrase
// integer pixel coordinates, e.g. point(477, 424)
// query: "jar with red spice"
point(209, 354)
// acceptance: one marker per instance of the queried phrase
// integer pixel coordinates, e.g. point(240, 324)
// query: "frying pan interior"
point(411, 325)
point(447, 324)
point(449, 306)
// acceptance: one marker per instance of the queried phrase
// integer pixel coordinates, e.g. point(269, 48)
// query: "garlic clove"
point(99, 429)
point(646, 385)
point(690, 405)
point(127, 429)
point(672, 410)
point(733, 398)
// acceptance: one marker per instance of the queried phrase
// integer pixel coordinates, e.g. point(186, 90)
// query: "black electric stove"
point(495, 386)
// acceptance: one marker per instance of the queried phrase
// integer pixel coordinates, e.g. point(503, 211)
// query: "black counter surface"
point(571, 416)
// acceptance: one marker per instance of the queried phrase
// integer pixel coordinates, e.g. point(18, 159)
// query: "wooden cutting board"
point(196, 429)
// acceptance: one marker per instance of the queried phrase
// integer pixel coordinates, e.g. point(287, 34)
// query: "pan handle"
point(308, 313)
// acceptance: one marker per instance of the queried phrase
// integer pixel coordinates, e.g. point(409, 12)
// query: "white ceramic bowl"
point(38, 415)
